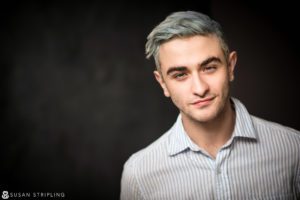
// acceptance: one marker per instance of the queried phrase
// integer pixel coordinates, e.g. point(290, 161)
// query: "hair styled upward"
point(183, 24)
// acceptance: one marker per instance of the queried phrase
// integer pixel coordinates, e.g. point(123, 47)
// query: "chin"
point(203, 117)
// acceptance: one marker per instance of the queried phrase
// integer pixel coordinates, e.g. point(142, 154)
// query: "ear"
point(231, 65)
point(162, 83)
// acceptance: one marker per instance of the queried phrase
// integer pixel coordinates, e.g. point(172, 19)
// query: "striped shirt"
point(260, 161)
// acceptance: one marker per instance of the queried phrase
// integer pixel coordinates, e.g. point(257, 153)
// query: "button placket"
point(222, 182)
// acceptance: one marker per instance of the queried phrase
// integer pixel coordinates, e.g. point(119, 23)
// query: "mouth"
point(203, 102)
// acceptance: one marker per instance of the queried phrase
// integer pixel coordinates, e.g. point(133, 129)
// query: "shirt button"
point(219, 171)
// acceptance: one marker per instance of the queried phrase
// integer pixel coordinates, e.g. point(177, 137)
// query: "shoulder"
point(138, 167)
point(263, 124)
point(272, 131)
point(154, 151)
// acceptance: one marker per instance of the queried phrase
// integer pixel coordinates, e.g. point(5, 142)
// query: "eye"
point(209, 68)
point(179, 75)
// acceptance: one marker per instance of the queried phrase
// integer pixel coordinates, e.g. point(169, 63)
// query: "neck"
point(213, 134)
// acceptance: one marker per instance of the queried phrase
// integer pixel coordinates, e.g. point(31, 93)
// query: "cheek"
point(218, 83)
point(224, 85)
point(178, 93)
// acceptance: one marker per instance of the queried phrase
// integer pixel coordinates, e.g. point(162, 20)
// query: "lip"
point(203, 102)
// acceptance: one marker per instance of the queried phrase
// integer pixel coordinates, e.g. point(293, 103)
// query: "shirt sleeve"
point(297, 183)
point(297, 178)
point(129, 186)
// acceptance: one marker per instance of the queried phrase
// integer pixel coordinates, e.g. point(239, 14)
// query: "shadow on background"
point(78, 96)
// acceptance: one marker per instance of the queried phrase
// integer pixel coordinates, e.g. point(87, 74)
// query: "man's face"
point(195, 74)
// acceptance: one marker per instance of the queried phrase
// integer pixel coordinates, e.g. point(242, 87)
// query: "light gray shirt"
point(260, 161)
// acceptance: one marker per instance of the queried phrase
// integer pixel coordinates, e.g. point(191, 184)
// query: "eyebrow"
point(173, 69)
point(209, 60)
point(205, 62)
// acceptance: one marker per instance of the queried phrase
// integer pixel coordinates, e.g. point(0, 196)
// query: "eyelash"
point(209, 68)
point(179, 75)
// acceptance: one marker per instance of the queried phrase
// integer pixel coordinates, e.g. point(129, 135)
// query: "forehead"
point(189, 51)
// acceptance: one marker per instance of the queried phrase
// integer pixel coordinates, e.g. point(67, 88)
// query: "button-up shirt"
point(260, 161)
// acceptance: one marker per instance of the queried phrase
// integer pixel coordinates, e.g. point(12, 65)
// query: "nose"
point(199, 86)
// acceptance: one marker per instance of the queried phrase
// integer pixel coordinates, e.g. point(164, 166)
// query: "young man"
point(216, 149)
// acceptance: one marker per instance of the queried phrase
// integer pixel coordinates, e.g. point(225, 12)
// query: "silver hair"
point(183, 24)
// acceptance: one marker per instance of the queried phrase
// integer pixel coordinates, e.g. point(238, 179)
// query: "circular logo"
point(5, 195)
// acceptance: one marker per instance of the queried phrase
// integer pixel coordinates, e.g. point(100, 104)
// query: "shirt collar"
point(179, 140)
point(243, 122)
